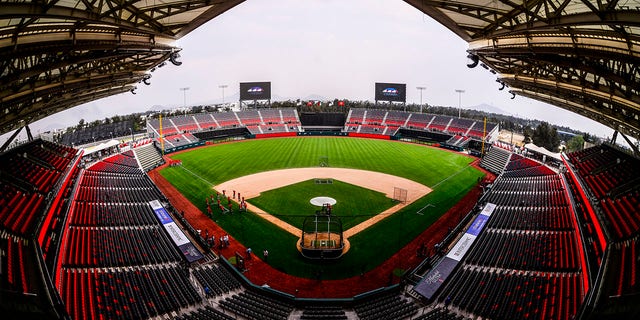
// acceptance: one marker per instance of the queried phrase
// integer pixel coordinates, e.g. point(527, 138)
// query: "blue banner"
point(430, 284)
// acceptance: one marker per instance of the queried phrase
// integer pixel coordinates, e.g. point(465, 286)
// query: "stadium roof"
point(583, 56)
point(58, 54)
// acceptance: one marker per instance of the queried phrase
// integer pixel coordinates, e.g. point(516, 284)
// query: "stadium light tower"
point(222, 86)
point(184, 91)
point(460, 92)
point(421, 89)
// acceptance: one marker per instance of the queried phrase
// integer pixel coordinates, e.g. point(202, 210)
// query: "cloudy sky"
point(330, 48)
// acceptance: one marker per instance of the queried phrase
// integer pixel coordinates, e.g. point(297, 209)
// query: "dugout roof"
point(581, 55)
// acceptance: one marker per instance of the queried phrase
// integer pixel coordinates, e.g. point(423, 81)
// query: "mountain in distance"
point(233, 98)
point(490, 109)
point(314, 97)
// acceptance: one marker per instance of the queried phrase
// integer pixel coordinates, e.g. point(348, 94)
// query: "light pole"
point(460, 92)
point(421, 89)
point(184, 91)
point(222, 86)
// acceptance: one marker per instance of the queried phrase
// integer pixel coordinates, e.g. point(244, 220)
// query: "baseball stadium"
point(317, 209)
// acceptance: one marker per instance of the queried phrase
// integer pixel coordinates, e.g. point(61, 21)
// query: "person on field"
point(265, 254)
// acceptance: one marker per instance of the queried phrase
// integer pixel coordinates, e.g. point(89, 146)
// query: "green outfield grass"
point(448, 173)
point(353, 204)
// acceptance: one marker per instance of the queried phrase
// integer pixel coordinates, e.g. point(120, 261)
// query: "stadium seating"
point(374, 121)
point(31, 173)
point(290, 115)
point(206, 121)
point(526, 262)
point(386, 306)
point(178, 140)
point(438, 313)
point(257, 306)
point(419, 121)
point(497, 294)
point(98, 133)
point(356, 116)
point(249, 117)
point(270, 116)
point(149, 156)
point(118, 262)
point(374, 116)
point(610, 179)
point(32, 176)
point(396, 118)
point(263, 122)
point(184, 123)
point(205, 313)
point(153, 127)
point(19, 267)
point(323, 313)
point(460, 126)
point(133, 293)
point(458, 141)
point(495, 159)
point(216, 280)
point(227, 119)
point(440, 123)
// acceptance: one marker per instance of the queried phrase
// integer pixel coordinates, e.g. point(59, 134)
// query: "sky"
point(331, 48)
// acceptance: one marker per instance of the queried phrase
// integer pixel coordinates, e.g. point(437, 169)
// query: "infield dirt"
point(251, 186)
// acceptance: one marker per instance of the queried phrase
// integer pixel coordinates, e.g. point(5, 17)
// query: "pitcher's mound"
point(320, 201)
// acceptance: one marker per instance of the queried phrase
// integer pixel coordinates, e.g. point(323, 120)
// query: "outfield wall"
point(369, 135)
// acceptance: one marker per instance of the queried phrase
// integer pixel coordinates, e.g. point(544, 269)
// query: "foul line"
point(427, 206)
point(451, 176)
point(197, 176)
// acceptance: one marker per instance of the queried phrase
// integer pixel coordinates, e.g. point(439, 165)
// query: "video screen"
point(255, 90)
point(395, 92)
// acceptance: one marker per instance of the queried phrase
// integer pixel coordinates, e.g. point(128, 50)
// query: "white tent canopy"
point(533, 147)
point(102, 146)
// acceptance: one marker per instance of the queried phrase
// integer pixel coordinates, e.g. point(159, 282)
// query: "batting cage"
point(322, 236)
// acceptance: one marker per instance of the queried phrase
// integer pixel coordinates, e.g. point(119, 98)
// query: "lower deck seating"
point(137, 293)
point(386, 306)
point(624, 270)
point(205, 313)
point(495, 159)
point(440, 314)
point(525, 263)
point(254, 306)
point(215, 280)
point(505, 294)
point(323, 313)
point(149, 156)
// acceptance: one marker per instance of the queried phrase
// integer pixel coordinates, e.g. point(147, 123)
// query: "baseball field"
point(373, 237)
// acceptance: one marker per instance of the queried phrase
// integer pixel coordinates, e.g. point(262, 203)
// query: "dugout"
point(424, 136)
